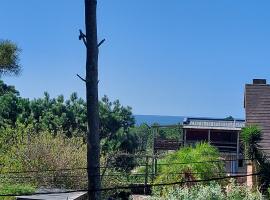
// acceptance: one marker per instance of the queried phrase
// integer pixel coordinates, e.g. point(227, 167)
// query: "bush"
point(17, 189)
point(171, 170)
point(47, 155)
point(213, 191)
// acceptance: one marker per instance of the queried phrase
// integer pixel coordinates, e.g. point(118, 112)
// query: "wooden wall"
point(257, 108)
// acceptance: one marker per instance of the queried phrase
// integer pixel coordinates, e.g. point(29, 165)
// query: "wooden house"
point(224, 134)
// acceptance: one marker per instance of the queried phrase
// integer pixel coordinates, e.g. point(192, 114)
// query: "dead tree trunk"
point(93, 141)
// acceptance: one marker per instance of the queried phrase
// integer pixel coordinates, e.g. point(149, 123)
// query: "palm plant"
point(251, 136)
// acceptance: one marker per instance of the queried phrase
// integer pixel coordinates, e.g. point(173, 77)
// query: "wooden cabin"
point(221, 133)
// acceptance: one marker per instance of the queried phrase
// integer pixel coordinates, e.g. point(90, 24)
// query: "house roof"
point(213, 123)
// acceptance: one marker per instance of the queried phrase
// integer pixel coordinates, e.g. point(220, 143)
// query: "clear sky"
point(175, 57)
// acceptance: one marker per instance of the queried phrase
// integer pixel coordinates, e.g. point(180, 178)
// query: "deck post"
point(185, 137)
point(209, 136)
point(153, 169)
point(237, 151)
point(156, 171)
point(153, 135)
point(146, 175)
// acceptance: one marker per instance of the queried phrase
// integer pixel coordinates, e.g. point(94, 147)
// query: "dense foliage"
point(42, 159)
point(213, 191)
point(189, 163)
point(251, 136)
point(68, 117)
point(9, 58)
point(46, 135)
point(15, 189)
point(195, 164)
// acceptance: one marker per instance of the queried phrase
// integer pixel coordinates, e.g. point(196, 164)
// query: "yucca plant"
point(251, 136)
point(188, 164)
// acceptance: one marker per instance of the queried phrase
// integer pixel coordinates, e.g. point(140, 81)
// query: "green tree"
point(229, 118)
point(117, 139)
point(113, 117)
point(144, 137)
point(196, 167)
point(57, 115)
point(251, 137)
point(11, 104)
point(9, 58)
point(4, 88)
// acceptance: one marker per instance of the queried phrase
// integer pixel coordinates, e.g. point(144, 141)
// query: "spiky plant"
point(251, 136)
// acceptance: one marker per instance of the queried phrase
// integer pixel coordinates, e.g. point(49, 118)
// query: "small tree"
point(9, 58)
point(190, 163)
point(251, 136)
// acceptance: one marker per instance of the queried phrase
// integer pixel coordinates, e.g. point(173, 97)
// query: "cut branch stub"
point(101, 42)
point(81, 78)
point(82, 36)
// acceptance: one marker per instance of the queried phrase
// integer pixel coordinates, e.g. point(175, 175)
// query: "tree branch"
point(101, 42)
point(82, 36)
point(81, 78)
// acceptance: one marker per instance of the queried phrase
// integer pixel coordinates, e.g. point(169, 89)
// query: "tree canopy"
point(68, 117)
point(9, 58)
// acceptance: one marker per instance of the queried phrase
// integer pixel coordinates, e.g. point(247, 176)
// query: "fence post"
point(153, 169)
point(146, 174)
point(156, 168)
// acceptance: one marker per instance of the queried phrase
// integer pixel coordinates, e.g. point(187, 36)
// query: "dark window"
point(240, 163)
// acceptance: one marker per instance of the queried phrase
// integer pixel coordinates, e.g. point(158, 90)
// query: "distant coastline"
point(160, 119)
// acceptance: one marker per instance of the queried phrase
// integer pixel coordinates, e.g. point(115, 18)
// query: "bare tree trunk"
point(93, 141)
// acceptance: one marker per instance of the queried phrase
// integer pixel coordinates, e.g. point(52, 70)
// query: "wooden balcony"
point(167, 144)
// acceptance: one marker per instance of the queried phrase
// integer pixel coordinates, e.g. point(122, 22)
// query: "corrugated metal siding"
point(257, 108)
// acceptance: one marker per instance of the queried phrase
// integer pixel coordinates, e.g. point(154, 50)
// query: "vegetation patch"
point(17, 189)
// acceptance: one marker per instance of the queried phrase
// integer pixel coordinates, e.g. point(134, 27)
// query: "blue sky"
point(176, 57)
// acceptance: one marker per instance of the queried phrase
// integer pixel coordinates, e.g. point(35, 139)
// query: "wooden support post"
point(154, 130)
point(156, 165)
point(185, 137)
point(237, 151)
point(146, 175)
point(153, 169)
point(209, 136)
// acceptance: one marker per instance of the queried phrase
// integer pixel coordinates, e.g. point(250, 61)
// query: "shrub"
point(251, 135)
point(47, 155)
point(170, 168)
point(196, 167)
point(213, 191)
point(17, 189)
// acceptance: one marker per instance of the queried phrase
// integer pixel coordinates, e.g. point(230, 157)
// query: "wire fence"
point(139, 174)
point(139, 186)
point(108, 167)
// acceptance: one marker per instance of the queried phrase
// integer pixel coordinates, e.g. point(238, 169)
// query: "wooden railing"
point(222, 146)
point(167, 144)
